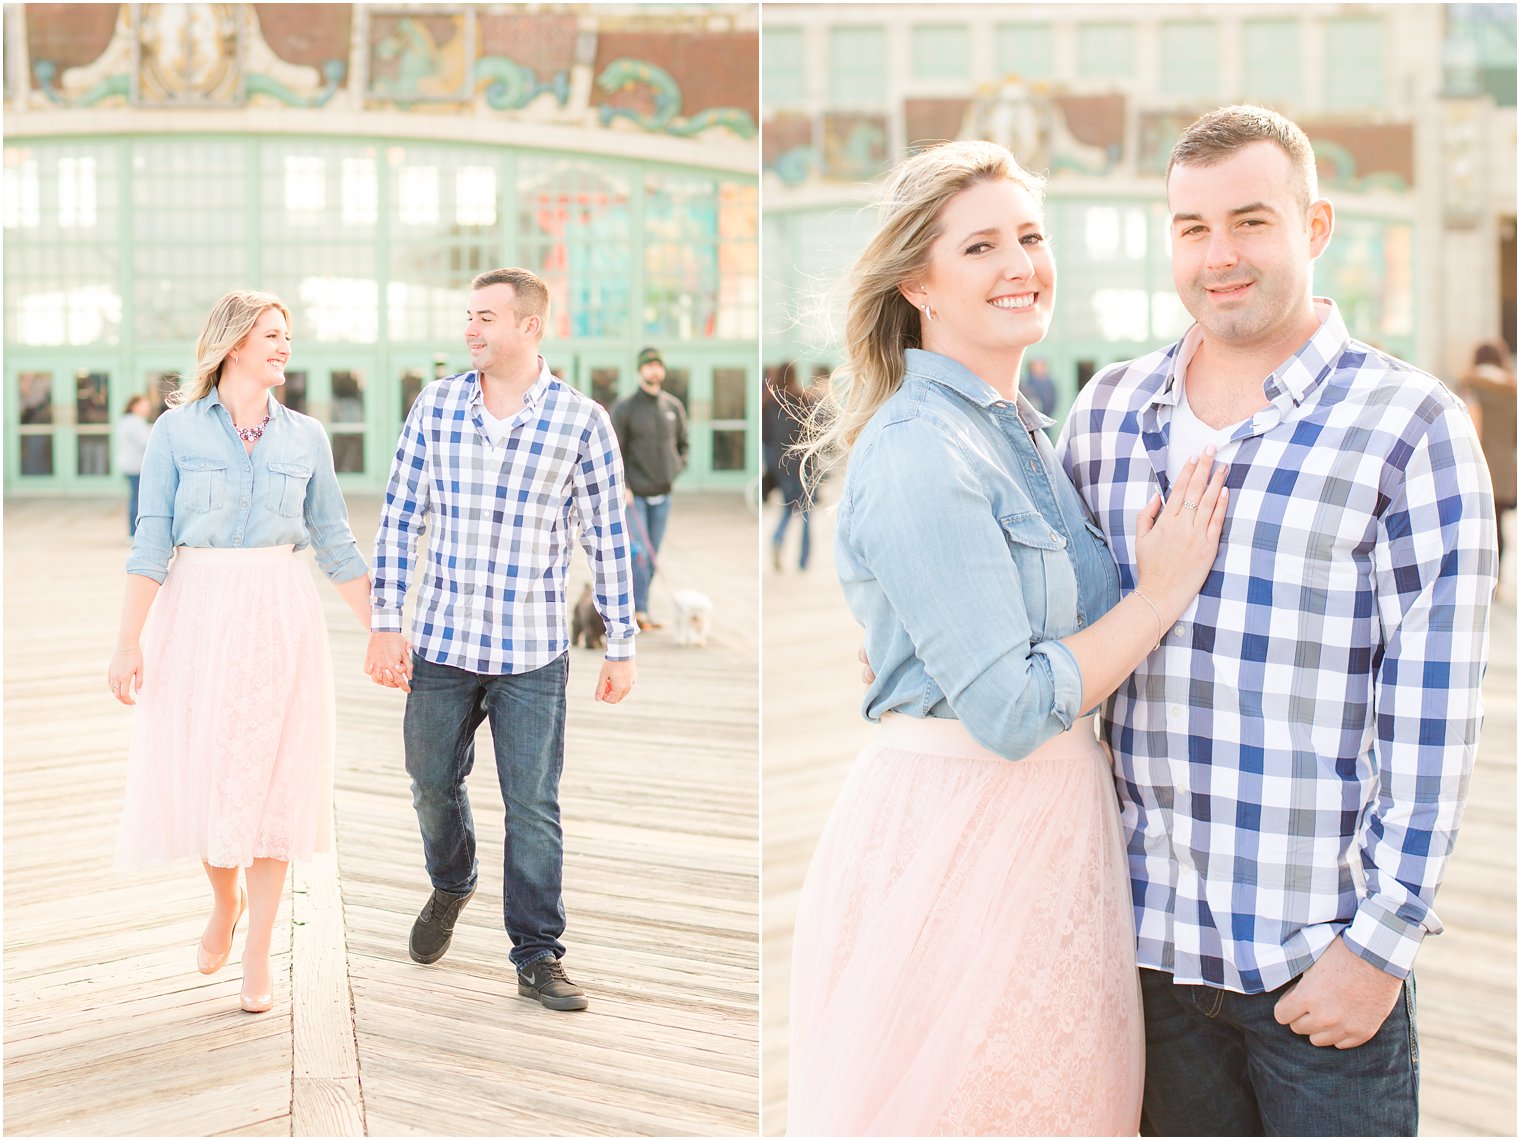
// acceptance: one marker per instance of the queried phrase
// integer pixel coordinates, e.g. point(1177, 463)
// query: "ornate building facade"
point(1411, 109)
point(364, 162)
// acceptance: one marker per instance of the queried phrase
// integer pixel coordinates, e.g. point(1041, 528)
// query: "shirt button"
point(1181, 630)
point(1174, 711)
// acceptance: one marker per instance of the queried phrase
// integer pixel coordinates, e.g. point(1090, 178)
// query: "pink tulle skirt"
point(964, 955)
point(232, 736)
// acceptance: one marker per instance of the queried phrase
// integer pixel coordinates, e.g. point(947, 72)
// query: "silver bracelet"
point(1160, 625)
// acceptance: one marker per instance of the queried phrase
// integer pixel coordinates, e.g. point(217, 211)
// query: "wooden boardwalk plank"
point(811, 730)
point(660, 799)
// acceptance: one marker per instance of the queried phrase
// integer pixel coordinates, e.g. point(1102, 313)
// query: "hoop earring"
point(928, 312)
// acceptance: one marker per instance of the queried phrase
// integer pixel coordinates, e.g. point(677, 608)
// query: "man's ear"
point(1321, 225)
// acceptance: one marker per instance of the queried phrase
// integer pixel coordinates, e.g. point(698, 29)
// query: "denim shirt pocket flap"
point(289, 486)
point(1031, 529)
point(201, 479)
point(1096, 531)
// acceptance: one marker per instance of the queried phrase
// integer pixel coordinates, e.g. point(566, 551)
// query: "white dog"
point(693, 613)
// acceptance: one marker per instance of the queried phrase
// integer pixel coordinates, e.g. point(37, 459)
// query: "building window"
point(417, 203)
point(21, 192)
point(783, 75)
point(76, 193)
point(1272, 51)
point(1026, 51)
point(360, 193)
point(941, 51)
point(575, 230)
point(305, 187)
point(1353, 63)
point(1106, 51)
point(856, 75)
point(475, 196)
point(1190, 59)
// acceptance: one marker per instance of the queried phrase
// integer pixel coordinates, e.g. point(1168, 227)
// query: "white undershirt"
point(497, 430)
point(1190, 435)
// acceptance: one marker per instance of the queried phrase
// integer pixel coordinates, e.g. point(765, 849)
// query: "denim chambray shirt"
point(200, 487)
point(966, 554)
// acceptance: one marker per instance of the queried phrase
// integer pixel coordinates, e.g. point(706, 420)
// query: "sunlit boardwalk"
point(110, 1031)
point(810, 691)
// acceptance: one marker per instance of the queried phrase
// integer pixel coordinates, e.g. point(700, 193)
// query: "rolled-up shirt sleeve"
point(402, 521)
point(945, 564)
point(153, 543)
point(1435, 562)
point(597, 496)
point(326, 517)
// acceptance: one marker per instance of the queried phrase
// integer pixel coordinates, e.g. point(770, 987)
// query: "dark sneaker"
point(545, 981)
point(434, 928)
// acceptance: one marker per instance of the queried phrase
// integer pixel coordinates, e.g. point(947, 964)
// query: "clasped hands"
point(388, 662)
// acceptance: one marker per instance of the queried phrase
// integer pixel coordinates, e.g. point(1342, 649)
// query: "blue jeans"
point(133, 481)
point(527, 712)
point(801, 509)
point(653, 517)
point(1217, 1063)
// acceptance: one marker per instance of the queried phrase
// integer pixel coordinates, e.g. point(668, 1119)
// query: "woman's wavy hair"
point(880, 323)
point(231, 320)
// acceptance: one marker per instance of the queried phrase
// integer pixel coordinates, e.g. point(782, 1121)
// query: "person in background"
point(651, 432)
point(132, 432)
point(1489, 392)
point(788, 412)
point(1038, 387)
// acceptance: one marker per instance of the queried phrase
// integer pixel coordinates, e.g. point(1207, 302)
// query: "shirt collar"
point(531, 397)
point(1293, 377)
point(940, 369)
point(213, 399)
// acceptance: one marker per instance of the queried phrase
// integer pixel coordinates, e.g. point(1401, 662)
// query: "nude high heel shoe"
point(255, 1003)
point(209, 963)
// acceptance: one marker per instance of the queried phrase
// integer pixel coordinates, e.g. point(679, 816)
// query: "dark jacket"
point(651, 432)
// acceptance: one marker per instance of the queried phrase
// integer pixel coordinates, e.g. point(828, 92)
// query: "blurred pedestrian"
point(1489, 392)
point(132, 432)
point(226, 650)
point(651, 431)
point(1038, 387)
point(772, 429)
point(790, 406)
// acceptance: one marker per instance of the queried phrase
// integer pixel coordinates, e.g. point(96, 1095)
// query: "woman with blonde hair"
point(964, 949)
point(224, 651)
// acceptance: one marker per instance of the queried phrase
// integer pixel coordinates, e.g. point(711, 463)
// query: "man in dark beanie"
point(651, 431)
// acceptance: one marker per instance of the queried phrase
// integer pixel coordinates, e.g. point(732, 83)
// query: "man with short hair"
point(1293, 757)
point(651, 430)
point(505, 467)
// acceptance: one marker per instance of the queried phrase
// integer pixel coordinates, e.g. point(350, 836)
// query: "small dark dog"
point(586, 624)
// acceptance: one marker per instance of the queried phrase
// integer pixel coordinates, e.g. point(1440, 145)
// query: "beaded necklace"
point(252, 434)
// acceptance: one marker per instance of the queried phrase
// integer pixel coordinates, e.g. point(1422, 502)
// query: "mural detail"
point(188, 53)
point(63, 67)
point(787, 147)
point(419, 58)
point(513, 86)
point(1050, 131)
point(514, 61)
point(631, 74)
point(854, 146)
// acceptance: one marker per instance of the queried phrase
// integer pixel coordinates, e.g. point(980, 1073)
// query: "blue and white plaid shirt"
point(1293, 759)
point(501, 521)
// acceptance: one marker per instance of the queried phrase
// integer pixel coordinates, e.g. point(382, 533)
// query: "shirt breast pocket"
point(202, 484)
point(288, 487)
point(1046, 578)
